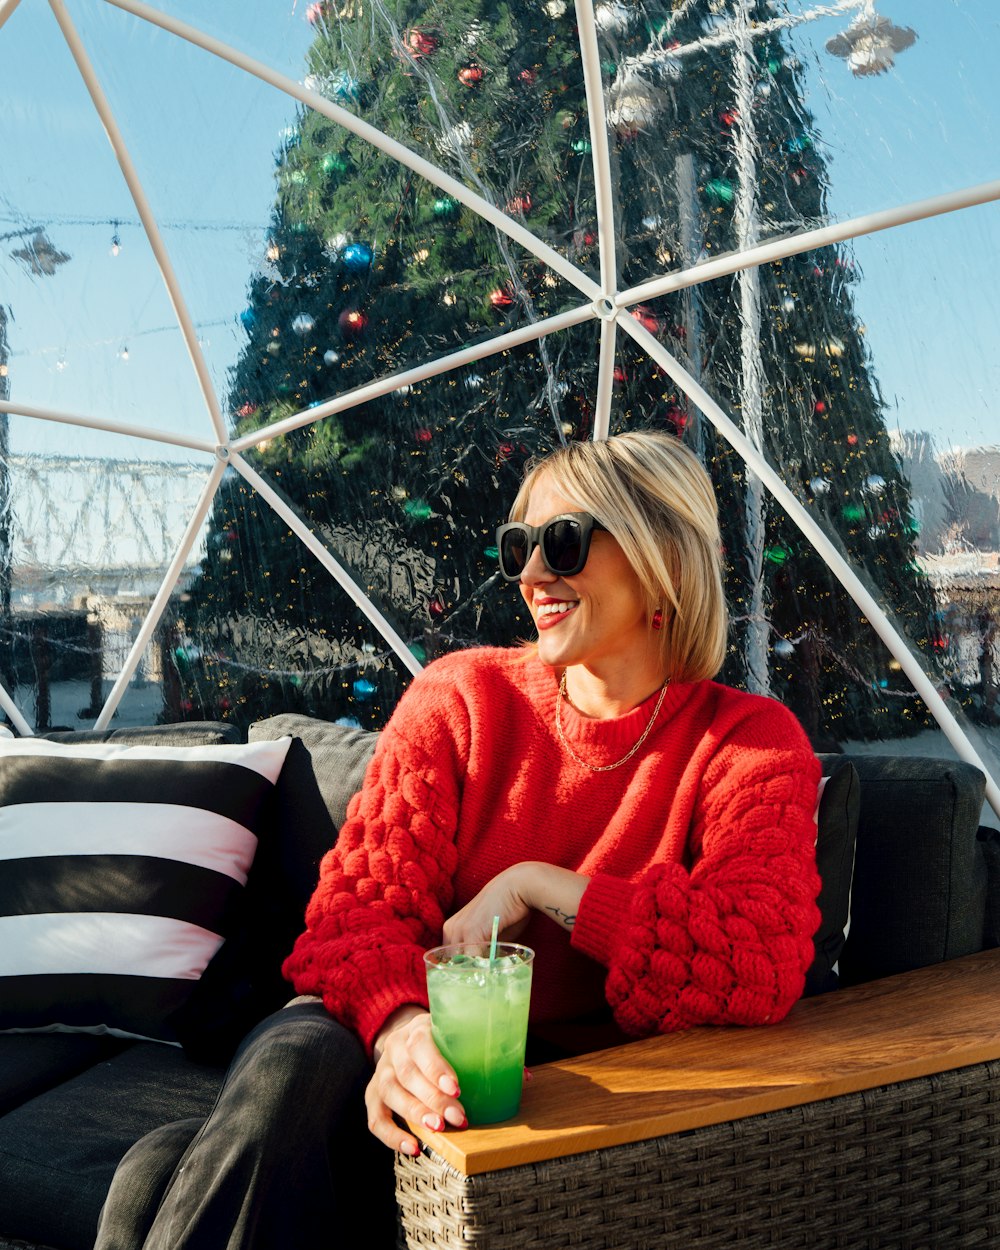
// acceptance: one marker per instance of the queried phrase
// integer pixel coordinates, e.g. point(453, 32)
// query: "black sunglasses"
point(564, 541)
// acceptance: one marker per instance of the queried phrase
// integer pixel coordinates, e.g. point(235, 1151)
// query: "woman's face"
point(597, 617)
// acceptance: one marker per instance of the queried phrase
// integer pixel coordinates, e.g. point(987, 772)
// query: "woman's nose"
point(535, 572)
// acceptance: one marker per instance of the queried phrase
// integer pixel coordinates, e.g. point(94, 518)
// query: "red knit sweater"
point(701, 905)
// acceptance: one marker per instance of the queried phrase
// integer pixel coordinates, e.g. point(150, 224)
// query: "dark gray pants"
point(284, 1160)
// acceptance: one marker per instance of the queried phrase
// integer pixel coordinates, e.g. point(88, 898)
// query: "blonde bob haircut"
point(654, 497)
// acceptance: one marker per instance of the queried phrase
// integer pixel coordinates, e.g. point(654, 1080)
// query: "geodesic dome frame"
point(602, 302)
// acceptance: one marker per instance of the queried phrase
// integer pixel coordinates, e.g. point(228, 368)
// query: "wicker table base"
point(912, 1166)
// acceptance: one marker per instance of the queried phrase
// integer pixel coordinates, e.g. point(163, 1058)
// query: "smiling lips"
point(549, 612)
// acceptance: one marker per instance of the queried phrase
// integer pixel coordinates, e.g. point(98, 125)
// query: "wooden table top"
point(937, 1018)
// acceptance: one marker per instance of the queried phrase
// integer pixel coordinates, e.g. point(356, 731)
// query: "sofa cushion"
point(32, 1063)
point(920, 877)
point(324, 768)
point(989, 840)
point(122, 871)
point(195, 733)
point(836, 836)
point(59, 1151)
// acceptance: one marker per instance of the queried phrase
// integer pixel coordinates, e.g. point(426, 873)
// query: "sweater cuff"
point(603, 910)
point(380, 1004)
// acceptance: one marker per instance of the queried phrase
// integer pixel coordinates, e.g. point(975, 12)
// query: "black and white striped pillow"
point(120, 875)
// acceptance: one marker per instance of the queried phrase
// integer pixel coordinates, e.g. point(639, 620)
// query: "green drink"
point(479, 1018)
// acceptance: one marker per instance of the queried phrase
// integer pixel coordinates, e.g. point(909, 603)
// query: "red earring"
point(657, 621)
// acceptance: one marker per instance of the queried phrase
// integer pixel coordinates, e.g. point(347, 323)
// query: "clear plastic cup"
point(479, 1018)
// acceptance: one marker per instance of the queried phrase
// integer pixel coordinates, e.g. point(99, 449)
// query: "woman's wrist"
point(400, 1017)
point(555, 892)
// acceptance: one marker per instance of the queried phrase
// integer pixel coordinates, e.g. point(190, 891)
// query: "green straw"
point(493, 940)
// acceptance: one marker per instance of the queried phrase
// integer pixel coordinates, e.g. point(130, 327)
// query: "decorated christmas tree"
point(372, 269)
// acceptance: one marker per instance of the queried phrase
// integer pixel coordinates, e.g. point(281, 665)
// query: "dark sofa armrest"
point(920, 875)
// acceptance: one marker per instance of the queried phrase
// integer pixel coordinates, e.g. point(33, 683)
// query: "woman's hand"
point(411, 1079)
point(512, 895)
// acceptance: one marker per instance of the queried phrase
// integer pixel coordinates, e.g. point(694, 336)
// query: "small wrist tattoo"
point(564, 919)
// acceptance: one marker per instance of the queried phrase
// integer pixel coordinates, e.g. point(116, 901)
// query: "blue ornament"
point(357, 256)
point(248, 318)
point(349, 722)
point(345, 87)
point(363, 688)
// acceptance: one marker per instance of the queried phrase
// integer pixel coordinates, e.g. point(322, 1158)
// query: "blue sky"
point(101, 325)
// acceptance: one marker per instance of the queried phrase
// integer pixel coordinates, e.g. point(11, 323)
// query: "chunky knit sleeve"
point(728, 941)
point(385, 888)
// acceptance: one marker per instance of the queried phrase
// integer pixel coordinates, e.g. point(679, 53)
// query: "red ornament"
point(528, 77)
point(519, 205)
point(620, 375)
point(729, 117)
point(471, 75)
point(420, 43)
point(423, 435)
point(647, 318)
point(435, 607)
point(501, 297)
point(819, 407)
point(852, 440)
point(247, 410)
point(315, 13)
point(352, 321)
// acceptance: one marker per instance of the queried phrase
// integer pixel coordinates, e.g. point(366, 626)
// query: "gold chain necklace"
point(604, 768)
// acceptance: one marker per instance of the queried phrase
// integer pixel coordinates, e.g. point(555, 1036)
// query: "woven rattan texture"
point(913, 1166)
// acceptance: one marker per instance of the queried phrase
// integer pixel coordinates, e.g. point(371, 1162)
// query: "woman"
point(647, 831)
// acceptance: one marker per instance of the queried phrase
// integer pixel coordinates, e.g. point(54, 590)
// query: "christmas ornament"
point(248, 319)
point(554, 8)
point(471, 75)
point(352, 322)
point(788, 304)
point(333, 163)
point(246, 410)
point(777, 555)
point(519, 205)
point(474, 381)
point(273, 348)
point(446, 207)
point(820, 485)
point(363, 688)
point(784, 649)
point(344, 87)
point(720, 190)
point(853, 512)
point(501, 297)
point(349, 722)
point(819, 407)
point(870, 43)
point(632, 105)
point(357, 257)
point(435, 607)
point(647, 318)
point(528, 76)
point(303, 324)
point(316, 12)
point(874, 484)
point(335, 245)
point(330, 357)
point(418, 509)
point(420, 43)
point(852, 440)
point(423, 435)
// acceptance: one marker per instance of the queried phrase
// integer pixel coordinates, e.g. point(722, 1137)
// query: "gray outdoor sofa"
point(665, 1143)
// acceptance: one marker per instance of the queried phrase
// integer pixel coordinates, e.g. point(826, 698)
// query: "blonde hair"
point(655, 498)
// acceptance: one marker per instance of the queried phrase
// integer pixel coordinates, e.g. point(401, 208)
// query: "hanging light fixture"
point(871, 42)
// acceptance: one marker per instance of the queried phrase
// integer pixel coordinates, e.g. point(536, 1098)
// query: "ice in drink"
point(479, 1019)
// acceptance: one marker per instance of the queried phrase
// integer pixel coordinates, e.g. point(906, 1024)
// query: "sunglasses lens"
point(513, 552)
point(561, 545)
